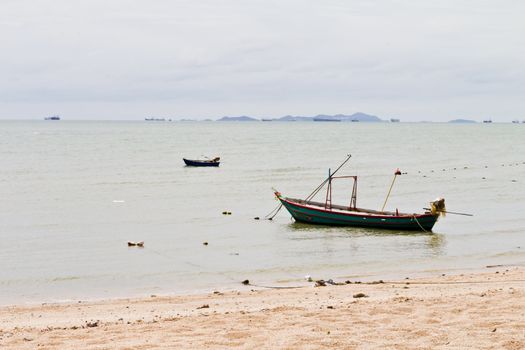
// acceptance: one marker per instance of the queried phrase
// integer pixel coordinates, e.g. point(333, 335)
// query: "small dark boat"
point(308, 211)
point(207, 162)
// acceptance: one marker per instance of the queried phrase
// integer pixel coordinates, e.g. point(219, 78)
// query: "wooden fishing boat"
point(308, 211)
point(206, 162)
point(339, 215)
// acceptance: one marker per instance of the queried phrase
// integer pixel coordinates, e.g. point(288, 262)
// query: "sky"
point(131, 59)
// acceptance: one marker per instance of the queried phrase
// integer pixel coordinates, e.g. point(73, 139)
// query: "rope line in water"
point(395, 283)
point(431, 172)
point(407, 282)
point(443, 282)
point(171, 259)
point(275, 287)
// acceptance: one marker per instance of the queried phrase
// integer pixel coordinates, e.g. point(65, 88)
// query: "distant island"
point(460, 121)
point(243, 118)
point(356, 117)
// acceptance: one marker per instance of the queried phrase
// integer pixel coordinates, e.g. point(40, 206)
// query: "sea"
point(73, 193)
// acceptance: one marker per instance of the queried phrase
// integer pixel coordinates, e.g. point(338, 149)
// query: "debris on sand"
point(360, 295)
point(92, 324)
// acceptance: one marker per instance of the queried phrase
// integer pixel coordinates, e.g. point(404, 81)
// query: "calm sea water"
point(73, 193)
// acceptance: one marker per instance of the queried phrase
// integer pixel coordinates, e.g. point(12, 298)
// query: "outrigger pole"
point(451, 212)
point(330, 175)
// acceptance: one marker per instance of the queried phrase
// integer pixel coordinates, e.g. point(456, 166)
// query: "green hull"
point(319, 215)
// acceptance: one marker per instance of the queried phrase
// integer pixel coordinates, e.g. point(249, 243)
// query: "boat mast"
point(329, 192)
point(353, 199)
point(311, 195)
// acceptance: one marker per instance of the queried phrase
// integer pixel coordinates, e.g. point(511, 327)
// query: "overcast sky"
point(130, 59)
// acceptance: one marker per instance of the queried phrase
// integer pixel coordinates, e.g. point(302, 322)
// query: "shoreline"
point(485, 309)
point(280, 284)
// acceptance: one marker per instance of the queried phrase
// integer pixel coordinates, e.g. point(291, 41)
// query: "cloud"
point(272, 58)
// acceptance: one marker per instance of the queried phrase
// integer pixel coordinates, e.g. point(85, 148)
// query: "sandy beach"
point(484, 310)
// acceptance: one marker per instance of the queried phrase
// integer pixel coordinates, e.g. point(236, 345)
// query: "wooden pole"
point(390, 190)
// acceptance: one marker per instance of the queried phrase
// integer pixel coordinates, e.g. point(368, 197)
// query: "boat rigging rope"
point(311, 195)
point(420, 224)
point(274, 212)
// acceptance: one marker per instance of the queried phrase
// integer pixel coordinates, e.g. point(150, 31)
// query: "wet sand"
point(484, 310)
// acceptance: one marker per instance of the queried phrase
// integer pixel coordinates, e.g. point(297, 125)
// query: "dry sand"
point(472, 311)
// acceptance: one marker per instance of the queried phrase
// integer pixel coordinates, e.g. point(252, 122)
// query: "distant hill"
point(243, 118)
point(356, 117)
point(360, 117)
point(462, 121)
point(291, 118)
